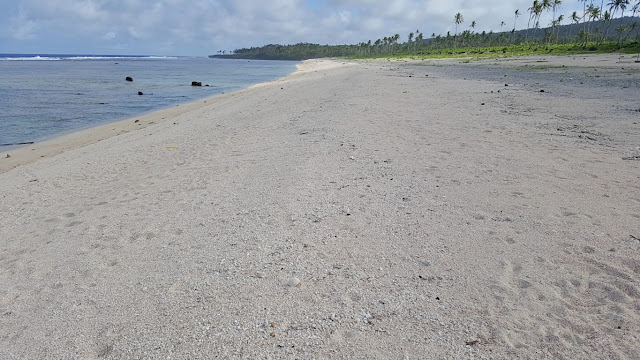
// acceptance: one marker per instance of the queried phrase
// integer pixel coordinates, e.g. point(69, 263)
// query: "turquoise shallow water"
point(49, 95)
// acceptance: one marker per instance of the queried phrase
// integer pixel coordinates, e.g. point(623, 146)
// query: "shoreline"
point(20, 155)
point(26, 154)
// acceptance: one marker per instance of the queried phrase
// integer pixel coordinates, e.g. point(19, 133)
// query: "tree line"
point(593, 27)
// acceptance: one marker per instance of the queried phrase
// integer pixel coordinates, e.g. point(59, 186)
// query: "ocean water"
point(49, 95)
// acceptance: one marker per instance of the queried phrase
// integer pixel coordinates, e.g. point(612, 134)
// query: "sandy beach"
point(371, 209)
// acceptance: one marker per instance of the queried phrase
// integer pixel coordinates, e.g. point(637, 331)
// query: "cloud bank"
point(200, 27)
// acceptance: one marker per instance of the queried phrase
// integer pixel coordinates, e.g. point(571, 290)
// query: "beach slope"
point(353, 210)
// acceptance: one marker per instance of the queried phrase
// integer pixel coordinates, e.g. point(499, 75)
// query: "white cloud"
point(22, 27)
point(25, 30)
point(109, 36)
point(204, 26)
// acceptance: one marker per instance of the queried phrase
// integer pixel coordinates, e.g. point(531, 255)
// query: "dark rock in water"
point(541, 90)
point(207, 85)
point(196, 83)
point(140, 93)
point(129, 78)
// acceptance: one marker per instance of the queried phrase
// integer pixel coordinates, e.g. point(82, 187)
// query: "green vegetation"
point(310, 51)
point(629, 47)
point(599, 32)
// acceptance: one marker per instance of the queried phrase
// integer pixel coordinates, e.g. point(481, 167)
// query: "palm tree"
point(594, 13)
point(559, 22)
point(532, 11)
point(616, 5)
point(419, 39)
point(602, 8)
point(555, 4)
point(502, 23)
point(515, 18)
point(620, 30)
point(575, 19)
point(458, 19)
point(634, 26)
point(607, 20)
point(584, 13)
point(546, 6)
point(537, 12)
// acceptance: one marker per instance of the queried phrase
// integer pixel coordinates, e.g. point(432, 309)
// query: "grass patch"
point(632, 47)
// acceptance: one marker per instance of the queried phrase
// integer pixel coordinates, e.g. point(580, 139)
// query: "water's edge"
point(16, 155)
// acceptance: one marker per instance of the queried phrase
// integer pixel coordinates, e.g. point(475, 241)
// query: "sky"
point(202, 27)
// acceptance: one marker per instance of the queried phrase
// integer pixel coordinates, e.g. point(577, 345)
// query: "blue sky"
point(201, 27)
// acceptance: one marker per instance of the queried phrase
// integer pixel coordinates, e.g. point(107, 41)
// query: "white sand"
point(420, 223)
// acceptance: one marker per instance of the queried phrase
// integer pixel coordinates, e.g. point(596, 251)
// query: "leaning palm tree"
point(458, 19)
point(537, 12)
point(606, 18)
point(584, 14)
point(559, 22)
point(515, 19)
point(555, 4)
point(593, 12)
point(532, 11)
point(616, 5)
point(546, 6)
point(575, 19)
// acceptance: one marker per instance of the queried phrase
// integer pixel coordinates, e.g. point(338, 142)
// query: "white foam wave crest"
point(79, 58)
point(31, 58)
